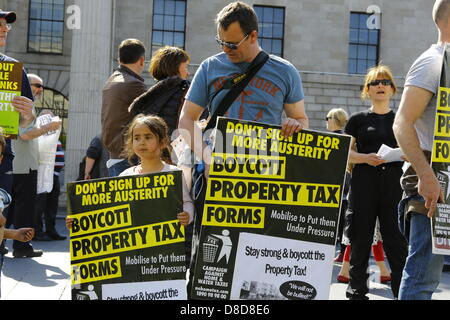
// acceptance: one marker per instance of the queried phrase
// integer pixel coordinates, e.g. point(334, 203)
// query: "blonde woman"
point(375, 184)
point(336, 120)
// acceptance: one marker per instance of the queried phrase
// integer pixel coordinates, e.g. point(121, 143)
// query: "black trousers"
point(47, 206)
point(21, 211)
point(375, 192)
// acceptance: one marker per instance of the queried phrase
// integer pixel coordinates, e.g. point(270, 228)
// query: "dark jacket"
point(163, 99)
point(118, 93)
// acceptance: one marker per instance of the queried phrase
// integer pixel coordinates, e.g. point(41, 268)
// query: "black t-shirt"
point(371, 130)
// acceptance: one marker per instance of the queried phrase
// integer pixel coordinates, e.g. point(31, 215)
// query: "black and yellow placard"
point(125, 231)
point(263, 183)
point(10, 87)
point(440, 161)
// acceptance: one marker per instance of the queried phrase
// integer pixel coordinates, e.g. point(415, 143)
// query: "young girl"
point(147, 138)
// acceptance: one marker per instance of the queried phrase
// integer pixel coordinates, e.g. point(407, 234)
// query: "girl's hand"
point(183, 217)
point(69, 222)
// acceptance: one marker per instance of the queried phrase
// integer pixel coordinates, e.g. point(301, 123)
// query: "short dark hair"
point(130, 50)
point(166, 62)
point(241, 12)
point(441, 11)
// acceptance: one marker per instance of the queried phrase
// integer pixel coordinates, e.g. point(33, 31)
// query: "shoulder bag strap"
point(237, 85)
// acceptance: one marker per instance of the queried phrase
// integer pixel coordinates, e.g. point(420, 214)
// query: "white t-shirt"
point(425, 73)
point(188, 205)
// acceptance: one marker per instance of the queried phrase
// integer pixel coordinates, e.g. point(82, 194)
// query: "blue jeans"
point(423, 269)
point(447, 260)
point(118, 168)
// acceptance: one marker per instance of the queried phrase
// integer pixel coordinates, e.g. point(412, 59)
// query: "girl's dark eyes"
point(145, 137)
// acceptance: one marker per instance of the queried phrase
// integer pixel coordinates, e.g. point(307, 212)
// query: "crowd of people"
point(138, 125)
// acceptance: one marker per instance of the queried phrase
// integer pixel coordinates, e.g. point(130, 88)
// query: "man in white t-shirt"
point(413, 128)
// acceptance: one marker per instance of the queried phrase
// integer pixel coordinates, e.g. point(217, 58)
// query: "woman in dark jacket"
point(169, 66)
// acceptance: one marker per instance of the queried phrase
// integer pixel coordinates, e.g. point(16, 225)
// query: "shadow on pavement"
point(32, 272)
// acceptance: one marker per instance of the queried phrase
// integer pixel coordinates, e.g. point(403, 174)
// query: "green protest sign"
point(10, 87)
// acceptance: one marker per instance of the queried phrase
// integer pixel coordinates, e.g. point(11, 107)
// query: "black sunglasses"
point(37, 85)
point(328, 118)
point(230, 45)
point(384, 82)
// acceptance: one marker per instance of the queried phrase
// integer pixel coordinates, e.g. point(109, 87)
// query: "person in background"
point(25, 163)
point(336, 120)
point(94, 165)
point(48, 203)
point(375, 189)
point(169, 66)
point(120, 90)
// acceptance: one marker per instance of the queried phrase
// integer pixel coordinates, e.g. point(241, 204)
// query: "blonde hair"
point(339, 116)
point(157, 126)
point(372, 74)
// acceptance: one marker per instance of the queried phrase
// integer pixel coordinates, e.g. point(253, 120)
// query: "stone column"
point(90, 68)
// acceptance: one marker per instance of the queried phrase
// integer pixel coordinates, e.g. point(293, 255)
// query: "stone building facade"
point(316, 39)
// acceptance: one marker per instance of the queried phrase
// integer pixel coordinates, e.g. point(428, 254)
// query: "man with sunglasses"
point(37, 88)
point(37, 85)
point(275, 88)
point(25, 168)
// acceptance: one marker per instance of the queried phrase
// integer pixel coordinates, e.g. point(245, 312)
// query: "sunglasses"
point(384, 82)
point(328, 118)
point(230, 45)
point(37, 85)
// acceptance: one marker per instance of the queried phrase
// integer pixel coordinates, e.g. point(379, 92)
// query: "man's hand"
point(289, 126)
point(25, 107)
point(430, 189)
point(52, 126)
point(374, 160)
point(24, 234)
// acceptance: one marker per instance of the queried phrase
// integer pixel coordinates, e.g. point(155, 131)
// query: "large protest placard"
point(271, 213)
point(10, 86)
point(126, 242)
point(440, 162)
